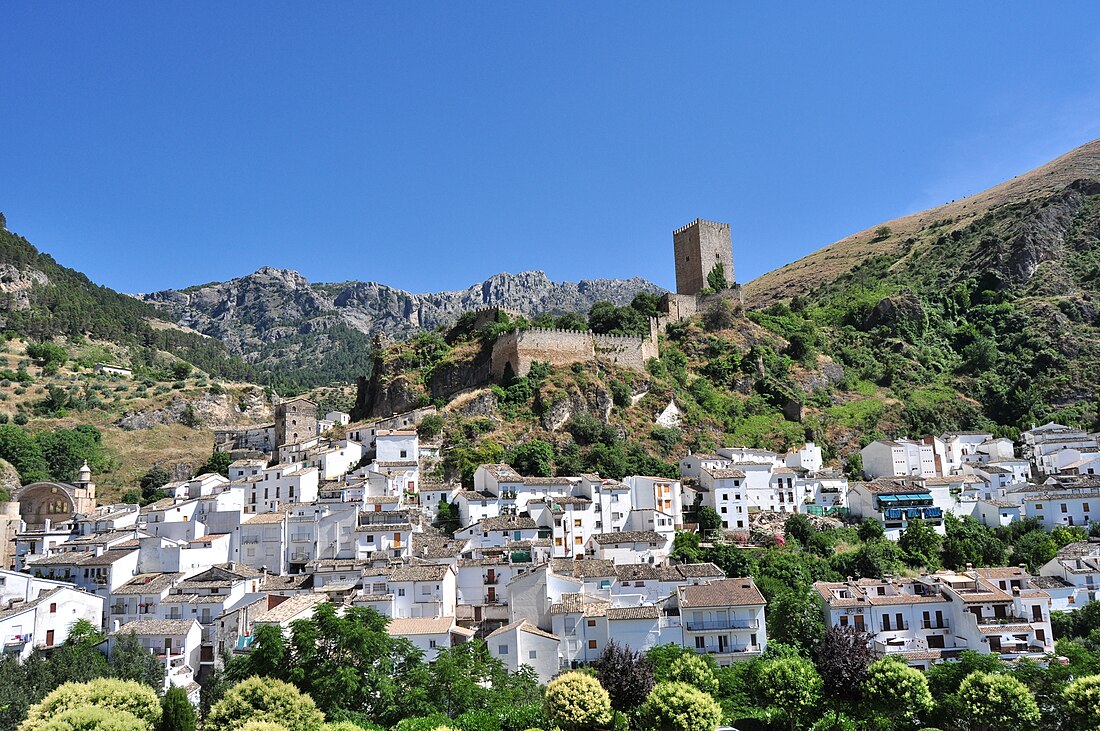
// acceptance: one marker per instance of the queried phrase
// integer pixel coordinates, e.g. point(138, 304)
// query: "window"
point(577, 541)
point(1038, 506)
point(724, 509)
point(591, 623)
point(532, 655)
point(591, 644)
point(404, 453)
point(700, 643)
point(431, 643)
point(1063, 507)
point(502, 649)
point(400, 592)
point(53, 608)
point(576, 524)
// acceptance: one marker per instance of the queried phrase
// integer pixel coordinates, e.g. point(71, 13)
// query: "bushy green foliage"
point(1082, 701)
point(130, 661)
point(53, 454)
point(577, 702)
point(896, 690)
point(113, 695)
point(91, 718)
point(693, 670)
point(265, 700)
point(218, 464)
point(990, 702)
point(790, 687)
point(677, 706)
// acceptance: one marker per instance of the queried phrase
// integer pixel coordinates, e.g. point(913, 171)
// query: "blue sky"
point(430, 145)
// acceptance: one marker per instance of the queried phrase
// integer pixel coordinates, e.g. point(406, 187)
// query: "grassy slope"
point(826, 264)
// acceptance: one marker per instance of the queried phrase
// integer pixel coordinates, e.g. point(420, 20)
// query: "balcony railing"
point(119, 609)
point(728, 650)
point(935, 624)
point(731, 623)
point(896, 627)
point(492, 579)
point(1008, 619)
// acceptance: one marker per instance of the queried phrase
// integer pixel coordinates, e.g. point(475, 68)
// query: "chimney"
point(970, 567)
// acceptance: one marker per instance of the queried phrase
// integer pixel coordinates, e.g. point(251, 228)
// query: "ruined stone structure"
point(9, 526)
point(698, 247)
point(520, 348)
point(490, 315)
point(295, 420)
point(56, 502)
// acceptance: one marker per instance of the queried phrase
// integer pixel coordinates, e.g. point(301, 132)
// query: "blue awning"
point(887, 498)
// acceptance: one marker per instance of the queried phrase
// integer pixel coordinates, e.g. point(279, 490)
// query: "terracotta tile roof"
point(721, 593)
point(428, 572)
point(146, 584)
point(508, 522)
point(147, 627)
point(579, 603)
point(290, 608)
point(630, 536)
point(420, 626)
point(588, 568)
point(502, 473)
point(644, 612)
point(727, 474)
point(524, 626)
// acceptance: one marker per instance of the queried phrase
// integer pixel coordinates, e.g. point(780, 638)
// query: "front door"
point(1036, 613)
point(721, 643)
point(859, 622)
point(49, 638)
point(492, 597)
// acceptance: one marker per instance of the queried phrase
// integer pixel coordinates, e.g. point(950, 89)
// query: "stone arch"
point(42, 501)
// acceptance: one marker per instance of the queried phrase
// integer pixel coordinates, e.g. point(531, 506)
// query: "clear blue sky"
point(430, 145)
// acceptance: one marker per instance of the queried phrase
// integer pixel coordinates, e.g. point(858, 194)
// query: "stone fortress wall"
point(697, 248)
point(520, 348)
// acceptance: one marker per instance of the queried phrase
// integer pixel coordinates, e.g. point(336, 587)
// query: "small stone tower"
point(698, 247)
point(295, 421)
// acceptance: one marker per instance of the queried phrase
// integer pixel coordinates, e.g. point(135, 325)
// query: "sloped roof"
point(721, 593)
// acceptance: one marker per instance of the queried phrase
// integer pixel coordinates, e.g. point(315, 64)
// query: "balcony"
point(1007, 619)
point(935, 624)
point(492, 580)
point(119, 609)
point(728, 650)
point(718, 624)
point(893, 627)
point(14, 643)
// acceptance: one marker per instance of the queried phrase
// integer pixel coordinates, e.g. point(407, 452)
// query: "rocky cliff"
point(278, 320)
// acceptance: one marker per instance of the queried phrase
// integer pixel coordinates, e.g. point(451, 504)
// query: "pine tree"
point(177, 713)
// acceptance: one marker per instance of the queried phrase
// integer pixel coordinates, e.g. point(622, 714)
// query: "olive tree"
point(896, 690)
point(1082, 701)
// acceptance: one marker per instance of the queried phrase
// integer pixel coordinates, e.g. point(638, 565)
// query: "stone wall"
point(9, 526)
point(521, 348)
point(677, 307)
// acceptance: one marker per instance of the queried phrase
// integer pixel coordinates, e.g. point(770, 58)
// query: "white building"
point(522, 643)
point(724, 618)
point(38, 614)
point(935, 617)
point(1078, 567)
point(430, 635)
point(899, 458)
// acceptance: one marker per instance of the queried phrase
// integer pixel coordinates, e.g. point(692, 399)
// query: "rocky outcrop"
point(900, 313)
point(211, 411)
point(272, 304)
point(17, 283)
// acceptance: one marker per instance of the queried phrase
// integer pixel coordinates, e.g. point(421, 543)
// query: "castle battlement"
point(698, 221)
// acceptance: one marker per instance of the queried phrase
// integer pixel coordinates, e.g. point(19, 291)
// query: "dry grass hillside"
point(154, 417)
point(825, 265)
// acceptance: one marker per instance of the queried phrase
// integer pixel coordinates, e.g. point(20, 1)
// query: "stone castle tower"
point(295, 421)
point(698, 247)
